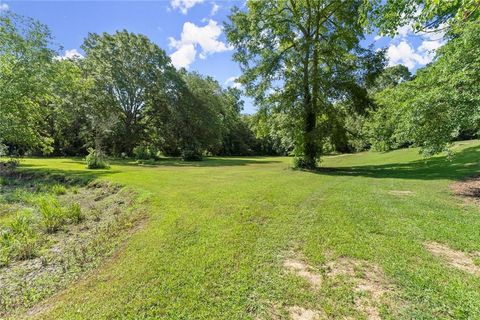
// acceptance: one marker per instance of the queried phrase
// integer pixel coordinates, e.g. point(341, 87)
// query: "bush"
point(52, 214)
point(58, 189)
point(6, 240)
point(10, 164)
point(74, 213)
point(20, 239)
point(146, 153)
point(191, 155)
point(96, 159)
point(301, 163)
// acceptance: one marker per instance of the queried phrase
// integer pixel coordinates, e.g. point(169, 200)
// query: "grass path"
point(219, 232)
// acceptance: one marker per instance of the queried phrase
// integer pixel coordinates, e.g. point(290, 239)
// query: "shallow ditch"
point(53, 229)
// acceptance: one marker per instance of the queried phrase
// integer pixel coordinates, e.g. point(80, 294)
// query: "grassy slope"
point(218, 231)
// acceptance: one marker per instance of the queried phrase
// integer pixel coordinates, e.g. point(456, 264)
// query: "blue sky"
point(189, 30)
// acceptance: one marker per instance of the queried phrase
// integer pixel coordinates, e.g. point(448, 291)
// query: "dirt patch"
point(304, 271)
point(400, 193)
point(299, 313)
point(455, 258)
point(468, 189)
point(369, 284)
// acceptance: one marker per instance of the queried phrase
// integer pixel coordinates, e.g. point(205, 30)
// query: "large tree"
point(70, 107)
point(296, 57)
point(133, 73)
point(25, 68)
point(441, 102)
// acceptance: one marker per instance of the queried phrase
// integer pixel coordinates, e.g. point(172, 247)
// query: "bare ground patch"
point(304, 271)
point(369, 283)
point(468, 189)
point(299, 313)
point(455, 258)
point(371, 288)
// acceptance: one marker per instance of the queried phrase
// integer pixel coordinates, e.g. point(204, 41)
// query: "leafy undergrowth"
point(53, 229)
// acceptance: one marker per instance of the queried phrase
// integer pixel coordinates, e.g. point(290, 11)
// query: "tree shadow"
point(206, 162)
point(462, 164)
point(54, 175)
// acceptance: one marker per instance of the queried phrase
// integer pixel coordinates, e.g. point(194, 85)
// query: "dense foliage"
point(440, 104)
point(298, 58)
point(317, 89)
point(124, 98)
point(24, 76)
point(320, 92)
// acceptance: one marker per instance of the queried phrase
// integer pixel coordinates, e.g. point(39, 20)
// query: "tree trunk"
point(310, 118)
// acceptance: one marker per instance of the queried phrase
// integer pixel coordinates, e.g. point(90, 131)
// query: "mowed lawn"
point(218, 233)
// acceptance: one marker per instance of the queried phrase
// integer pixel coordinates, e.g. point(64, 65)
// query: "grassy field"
point(219, 232)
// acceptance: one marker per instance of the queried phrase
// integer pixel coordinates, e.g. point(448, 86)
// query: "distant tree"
point(69, 108)
point(130, 71)
point(202, 106)
point(297, 58)
point(390, 77)
point(439, 103)
point(25, 60)
point(237, 139)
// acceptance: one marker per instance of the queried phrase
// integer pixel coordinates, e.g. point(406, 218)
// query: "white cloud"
point(405, 54)
point(193, 37)
point(70, 54)
point(377, 37)
point(231, 82)
point(4, 7)
point(184, 5)
point(184, 56)
point(404, 31)
point(430, 45)
point(215, 8)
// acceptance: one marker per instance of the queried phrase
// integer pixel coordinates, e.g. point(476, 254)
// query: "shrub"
point(18, 195)
point(20, 238)
point(58, 189)
point(6, 240)
point(191, 155)
point(146, 153)
point(52, 214)
point(74, 213)
point(3, 150)
point(9, 165)
point(25, 246)
point(96, 159)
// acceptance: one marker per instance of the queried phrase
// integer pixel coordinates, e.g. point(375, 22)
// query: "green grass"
point(219, 230)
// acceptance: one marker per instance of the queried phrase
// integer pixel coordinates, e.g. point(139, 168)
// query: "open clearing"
point(220, 234)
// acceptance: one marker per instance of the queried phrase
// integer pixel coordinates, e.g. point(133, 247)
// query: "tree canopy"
point(318, 90)
point(24, 73)
point(297, 58)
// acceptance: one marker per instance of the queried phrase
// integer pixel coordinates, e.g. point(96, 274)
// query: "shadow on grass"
point(175, 162)
point(462, 164)
point(51, 175)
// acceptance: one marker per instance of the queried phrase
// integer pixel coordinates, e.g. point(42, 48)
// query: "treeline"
point(317, 94)
point(303, 63)
point(124, 98)
point(438, 105)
